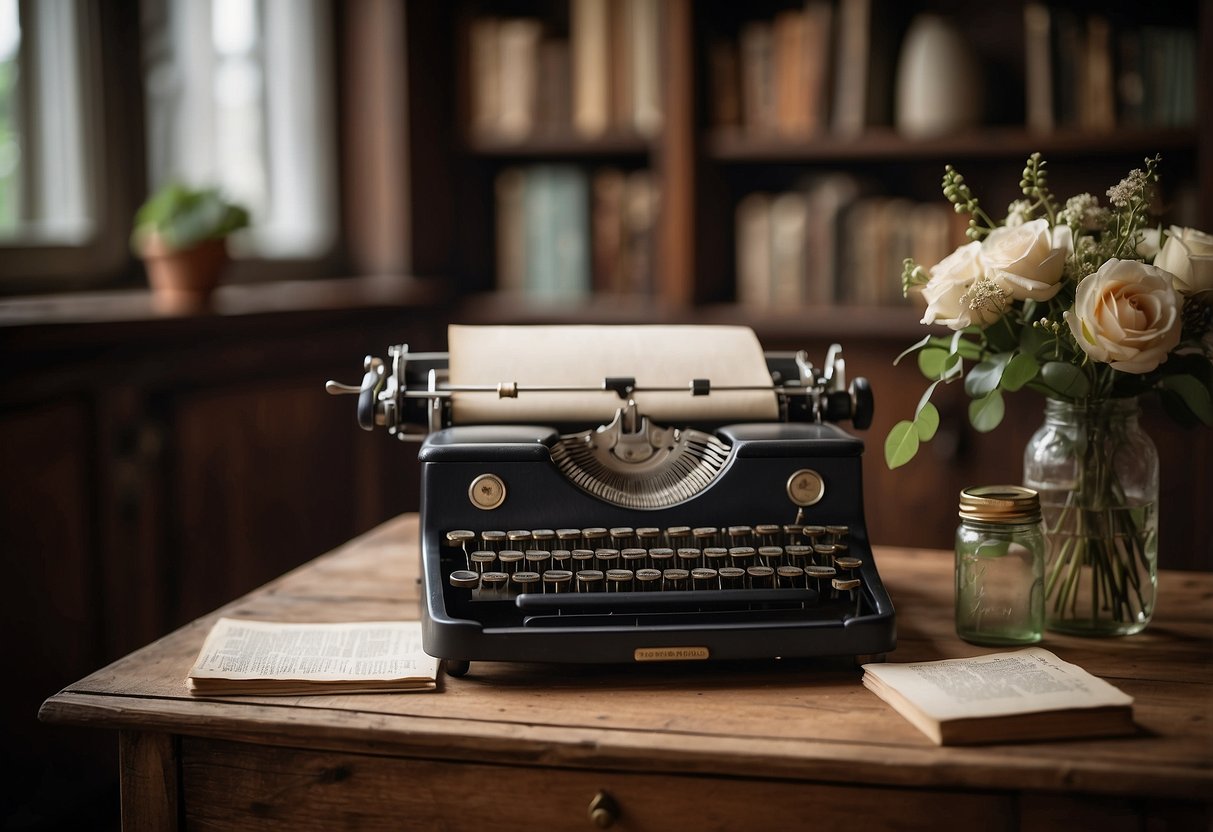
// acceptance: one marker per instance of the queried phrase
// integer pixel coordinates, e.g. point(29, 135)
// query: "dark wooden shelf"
point(559, 145)
point(734, 145)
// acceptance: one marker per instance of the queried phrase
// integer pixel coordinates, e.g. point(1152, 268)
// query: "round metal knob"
point(603, 811)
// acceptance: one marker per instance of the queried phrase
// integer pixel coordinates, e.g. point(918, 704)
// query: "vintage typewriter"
point(700, 505)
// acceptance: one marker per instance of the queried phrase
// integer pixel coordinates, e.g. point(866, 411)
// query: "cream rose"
point(1127, 315)
point(1188, 254)
point(949, 301)
point(1027, 260)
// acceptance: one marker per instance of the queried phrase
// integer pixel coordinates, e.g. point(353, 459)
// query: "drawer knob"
point(604, 811)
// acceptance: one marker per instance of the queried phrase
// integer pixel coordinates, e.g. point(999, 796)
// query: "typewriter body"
point(646, 525)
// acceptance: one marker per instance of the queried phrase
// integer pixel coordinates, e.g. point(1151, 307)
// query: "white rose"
point(947, 292)
point(1151, 238)
point(1188, 254)
point(1127, 315)
point(1027, 260)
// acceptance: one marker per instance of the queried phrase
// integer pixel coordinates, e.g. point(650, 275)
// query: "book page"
point(380, 651)
point(998, 684)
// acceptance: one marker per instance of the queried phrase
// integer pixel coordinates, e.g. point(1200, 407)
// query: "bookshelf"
point(704, 164)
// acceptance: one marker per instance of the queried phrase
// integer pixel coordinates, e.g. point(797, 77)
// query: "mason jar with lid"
point(1000, 553)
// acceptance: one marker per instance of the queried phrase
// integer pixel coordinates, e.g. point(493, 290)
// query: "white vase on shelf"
point(938, 80)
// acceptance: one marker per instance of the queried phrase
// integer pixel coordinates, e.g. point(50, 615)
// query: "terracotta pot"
point(184, 280)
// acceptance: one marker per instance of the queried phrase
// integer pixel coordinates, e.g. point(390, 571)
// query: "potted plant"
point(181, 234)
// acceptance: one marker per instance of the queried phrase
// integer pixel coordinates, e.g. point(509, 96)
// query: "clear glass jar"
point(1097, 474)
point(1000, 555)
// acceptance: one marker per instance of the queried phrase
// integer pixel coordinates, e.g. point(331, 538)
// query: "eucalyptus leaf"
point(926, 339)
point(1065, 379)
point(1194, 395)
point(1021, 369)
point(986, 413)
point(985, 375)
point(901, 444)
point(931, 362)
point(926, 422)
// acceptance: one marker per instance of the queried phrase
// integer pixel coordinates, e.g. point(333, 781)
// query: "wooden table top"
point(803, 719)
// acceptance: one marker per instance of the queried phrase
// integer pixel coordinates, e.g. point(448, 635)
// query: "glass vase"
point(1096, 472)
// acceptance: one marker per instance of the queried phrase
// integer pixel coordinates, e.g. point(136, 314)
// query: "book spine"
point(589, 27)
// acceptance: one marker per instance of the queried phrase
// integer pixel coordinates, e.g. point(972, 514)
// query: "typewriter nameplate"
point(671, 654)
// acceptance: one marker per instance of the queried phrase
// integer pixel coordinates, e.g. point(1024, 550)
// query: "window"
point(239, 94)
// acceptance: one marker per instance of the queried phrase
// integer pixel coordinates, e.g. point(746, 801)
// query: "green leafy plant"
point(1075, 300)
point(180, 217)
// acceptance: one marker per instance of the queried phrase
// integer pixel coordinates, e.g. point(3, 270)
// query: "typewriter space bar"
point(656, 601)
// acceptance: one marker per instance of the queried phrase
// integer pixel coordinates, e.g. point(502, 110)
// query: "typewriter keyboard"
point(800, 563)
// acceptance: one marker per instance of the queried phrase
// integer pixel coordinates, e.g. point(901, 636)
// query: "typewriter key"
point(510, 560)
point(792, 534)
point(593, 537)
point(740, 536)
point(704, 578)
point(797, 555)
point(847, 564)
point(465, 579)
point(848, 585)
point(705, 536)
point(817, 574)
point(623, 537)
point(606, 558)
point(538, 560)
point(556, 581)
point(518, 538)
point(521, 582)
point(837, 533)
point(461, 539)
point(568, 537)
point(715, 556)
point(647, 536)
point(676, 536)
point(543, 536)
point(770, 555)
point(483, 561)
point(813, 533)
point(648, 580)
point(583, 559)
point(731, 577)
point(661, 558)
point(492, 585)
point(742, 556)
point(561, 558)
point(760, 577)
point(589, 580)
point(619, 580)
point(688, 558)
point(634, 558)
point(790, 577)
point(674, 579)
point(767, 534)
point(823, 553)
point(493, 540)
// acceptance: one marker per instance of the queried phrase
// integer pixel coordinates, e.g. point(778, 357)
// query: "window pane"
point(240, 96)
point(10, 147)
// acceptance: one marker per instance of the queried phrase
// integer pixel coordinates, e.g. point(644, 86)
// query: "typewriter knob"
point(603, 811)
point(863, 405)
point(367, 391)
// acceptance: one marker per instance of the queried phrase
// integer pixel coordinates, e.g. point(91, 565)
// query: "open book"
point(264, 657)
point(1002, 697)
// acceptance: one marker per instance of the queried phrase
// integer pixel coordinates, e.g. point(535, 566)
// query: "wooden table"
point(762, 745)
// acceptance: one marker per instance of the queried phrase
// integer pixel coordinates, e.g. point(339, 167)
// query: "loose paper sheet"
point(660, 356)
point(998, 684)
point(373, 651)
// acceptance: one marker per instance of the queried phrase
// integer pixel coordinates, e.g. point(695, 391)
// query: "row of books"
point(830, 243)
point(822, 67)
point(601, 78)
point(1086, 71)
point(565, 232)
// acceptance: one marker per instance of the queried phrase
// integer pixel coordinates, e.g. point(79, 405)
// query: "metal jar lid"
point(1010, 504)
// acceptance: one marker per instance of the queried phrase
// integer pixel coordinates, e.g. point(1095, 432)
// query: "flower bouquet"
point(1093, 307)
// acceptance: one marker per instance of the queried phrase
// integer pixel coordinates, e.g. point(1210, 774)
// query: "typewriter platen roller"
point(619, 494)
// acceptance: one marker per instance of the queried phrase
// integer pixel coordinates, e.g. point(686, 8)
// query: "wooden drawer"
point(238, 786)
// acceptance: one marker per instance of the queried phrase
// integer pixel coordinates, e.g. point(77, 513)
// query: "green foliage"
point(181, 217)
